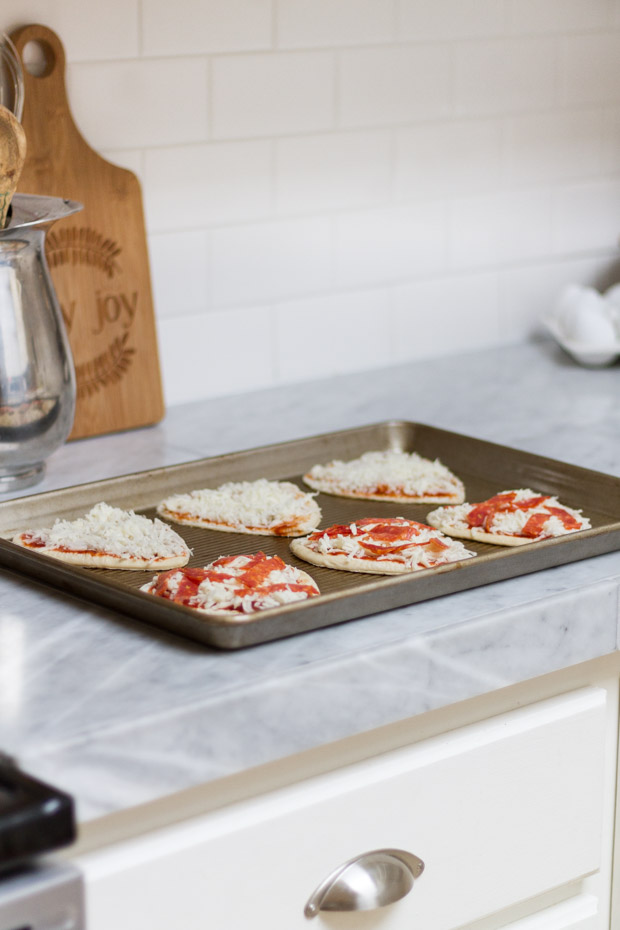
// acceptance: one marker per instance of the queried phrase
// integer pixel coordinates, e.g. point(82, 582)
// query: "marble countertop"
point(119, 714)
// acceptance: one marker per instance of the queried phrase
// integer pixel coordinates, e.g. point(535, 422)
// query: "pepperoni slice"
point(531, 502)
point(259, 568)
point(482, 514)
point(534, 526)
point(392, 532)
point(305, 588)
point(435, 546)
point(187, 587)
point(432, 546)
point(385, 549)
point(339, 529)
point(383, 521)
point(567, 519)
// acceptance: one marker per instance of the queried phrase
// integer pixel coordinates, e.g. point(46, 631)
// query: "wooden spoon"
point(12, 155)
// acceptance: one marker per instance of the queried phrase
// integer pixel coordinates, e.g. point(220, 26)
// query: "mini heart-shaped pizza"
point(383, 545)
point(403, 477)
point(235, 585)
point(510, 518)
point(108, 537)
point(265, 508)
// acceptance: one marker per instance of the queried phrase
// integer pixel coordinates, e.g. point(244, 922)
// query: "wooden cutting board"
point(98, 258)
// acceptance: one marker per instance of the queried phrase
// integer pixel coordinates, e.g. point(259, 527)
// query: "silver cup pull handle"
point(366, 882)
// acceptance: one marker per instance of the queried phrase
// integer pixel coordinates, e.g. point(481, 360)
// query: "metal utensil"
point(37, 381)
point(11, 77)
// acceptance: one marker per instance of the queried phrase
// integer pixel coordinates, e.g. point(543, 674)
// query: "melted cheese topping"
point(262, 504)
point(389, 473)
point(113, 531)
point(512, 521)
point(414, 545)
point(239, 585)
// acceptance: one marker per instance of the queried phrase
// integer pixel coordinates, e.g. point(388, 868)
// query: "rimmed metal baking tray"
point(484, 467)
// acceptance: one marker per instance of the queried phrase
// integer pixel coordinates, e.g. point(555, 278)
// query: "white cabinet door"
point(500, 811)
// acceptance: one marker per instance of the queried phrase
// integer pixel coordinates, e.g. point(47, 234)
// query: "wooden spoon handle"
point(12, 155)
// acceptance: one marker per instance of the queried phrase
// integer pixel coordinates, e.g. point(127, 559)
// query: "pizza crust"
point(475, 534)
point(455, 498)
point(389, 476)
point(504, 540)
point(434, 519)
point(109, 537)
point(95, 560)
point(348, 563)
point(258, 508)
point(440, 519)
point(298, 530)
point(399, 546)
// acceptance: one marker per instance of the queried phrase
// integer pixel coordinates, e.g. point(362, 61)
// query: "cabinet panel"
point(578, 913)
point(499, 811)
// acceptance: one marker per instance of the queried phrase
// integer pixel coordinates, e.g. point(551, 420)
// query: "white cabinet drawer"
point(499, 811)
point(578, 913)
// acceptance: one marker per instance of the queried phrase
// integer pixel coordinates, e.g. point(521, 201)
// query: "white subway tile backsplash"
point(311, 333)
point(443, 19)
point(344, 161)
point(590, 69)
point(395, 244)
point(587, 217)
point(238, 346)
point(528, 294)
point(506, 227)
point(264, 262)
point(202, 185)
point(280, 93)
point(140, 103)
point(379, 86)
point(93, 32)
point(532, 16)
point(180, 272)
point(444, 315)
point(313, 23)
point(505, 76)
point(453, 157)
point(542, 148)
point(189, 28)
point(326, 172)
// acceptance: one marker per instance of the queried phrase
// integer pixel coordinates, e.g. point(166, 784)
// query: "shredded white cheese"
point(228, 595)
point(404, 473)
point(453, 517)
point(259, 503)
point(113, 531)
point(510, 522)
point(413, 555)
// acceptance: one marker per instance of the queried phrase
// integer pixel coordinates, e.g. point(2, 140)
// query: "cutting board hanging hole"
point(38, 58)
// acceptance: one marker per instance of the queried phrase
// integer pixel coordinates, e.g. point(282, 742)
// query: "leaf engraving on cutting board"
point(106, 368)
point(81, 245)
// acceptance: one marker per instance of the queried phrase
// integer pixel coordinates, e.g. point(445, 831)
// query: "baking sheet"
point(485, 468)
